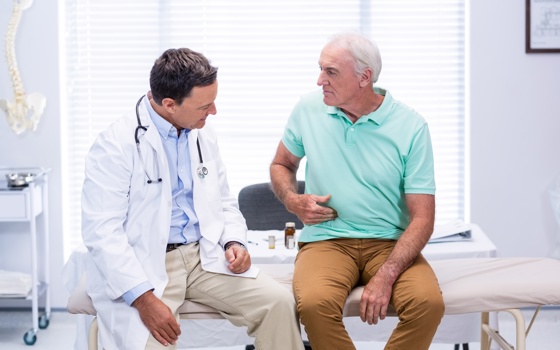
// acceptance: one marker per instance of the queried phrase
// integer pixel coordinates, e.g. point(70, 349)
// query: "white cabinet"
point(29, 204)
point(15, 204)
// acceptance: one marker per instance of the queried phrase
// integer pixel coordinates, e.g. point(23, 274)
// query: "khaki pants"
point(326, 271)
point(262, 305)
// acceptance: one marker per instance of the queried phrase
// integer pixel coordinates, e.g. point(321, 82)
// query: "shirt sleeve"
point(292, 133)
point(133, 294)
point(419, 171)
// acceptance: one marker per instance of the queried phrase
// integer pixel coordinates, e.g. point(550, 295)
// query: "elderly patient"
point(369, 204)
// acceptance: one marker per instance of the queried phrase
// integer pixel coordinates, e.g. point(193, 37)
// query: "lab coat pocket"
point(208, 188)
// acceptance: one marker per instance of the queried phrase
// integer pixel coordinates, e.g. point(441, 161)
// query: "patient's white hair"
point(365, 52)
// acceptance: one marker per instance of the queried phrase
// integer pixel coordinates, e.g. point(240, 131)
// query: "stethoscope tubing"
point(201, 171)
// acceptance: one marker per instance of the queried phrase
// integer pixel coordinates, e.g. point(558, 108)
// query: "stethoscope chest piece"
point(202, 171)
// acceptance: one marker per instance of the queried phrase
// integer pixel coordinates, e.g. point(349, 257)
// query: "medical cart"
point(28, 203)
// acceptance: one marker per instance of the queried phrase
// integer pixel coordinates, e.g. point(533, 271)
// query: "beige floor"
point(60, 334)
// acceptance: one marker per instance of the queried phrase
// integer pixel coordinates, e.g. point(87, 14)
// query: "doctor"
point(161, 225)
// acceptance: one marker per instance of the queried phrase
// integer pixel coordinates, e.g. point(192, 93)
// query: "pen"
point(251, 242)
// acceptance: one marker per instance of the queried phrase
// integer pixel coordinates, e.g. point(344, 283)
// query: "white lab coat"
point(125, 220)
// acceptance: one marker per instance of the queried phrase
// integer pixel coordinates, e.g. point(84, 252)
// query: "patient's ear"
point(365, 77)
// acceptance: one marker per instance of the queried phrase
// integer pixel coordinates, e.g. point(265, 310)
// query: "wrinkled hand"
point(375, 300)
point(158, 318)
point(239, 259)
point(310, 208)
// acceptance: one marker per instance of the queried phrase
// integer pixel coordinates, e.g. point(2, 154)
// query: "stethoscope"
point(202, 171)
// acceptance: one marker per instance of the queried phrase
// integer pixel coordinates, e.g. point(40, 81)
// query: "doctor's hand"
point(310, 208)
point(158, 318)
point(238, 257)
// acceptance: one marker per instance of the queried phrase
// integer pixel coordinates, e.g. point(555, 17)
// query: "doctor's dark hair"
point(177, 71)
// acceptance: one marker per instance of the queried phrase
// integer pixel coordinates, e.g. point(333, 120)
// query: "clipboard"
point(454, 231)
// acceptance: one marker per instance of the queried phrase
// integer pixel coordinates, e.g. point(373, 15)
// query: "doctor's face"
point(192, 113)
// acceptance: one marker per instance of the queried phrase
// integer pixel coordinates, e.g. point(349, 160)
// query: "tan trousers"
point(326, 271)
point(262, 305)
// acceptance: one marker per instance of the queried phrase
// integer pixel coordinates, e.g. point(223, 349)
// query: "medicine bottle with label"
point(289, 235)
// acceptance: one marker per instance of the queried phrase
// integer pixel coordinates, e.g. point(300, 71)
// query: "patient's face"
point(337, 78)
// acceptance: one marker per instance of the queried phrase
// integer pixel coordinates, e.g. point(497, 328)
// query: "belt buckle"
point(172, 246)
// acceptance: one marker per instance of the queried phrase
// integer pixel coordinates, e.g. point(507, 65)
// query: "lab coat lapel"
point(152, 134)
point(210, 226)
point(153, 138)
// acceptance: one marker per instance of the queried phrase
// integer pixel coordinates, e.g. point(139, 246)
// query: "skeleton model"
point(18, 110)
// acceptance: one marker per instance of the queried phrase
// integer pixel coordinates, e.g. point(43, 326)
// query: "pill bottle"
point(289, 235)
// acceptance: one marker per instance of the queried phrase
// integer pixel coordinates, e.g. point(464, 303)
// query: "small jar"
point(271, 242)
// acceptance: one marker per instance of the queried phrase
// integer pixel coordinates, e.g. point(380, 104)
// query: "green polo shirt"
point(367, 167)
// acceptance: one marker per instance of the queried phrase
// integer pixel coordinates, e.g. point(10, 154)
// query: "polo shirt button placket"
point(350, 135)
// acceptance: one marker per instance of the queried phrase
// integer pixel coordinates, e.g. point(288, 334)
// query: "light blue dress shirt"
point(184, 223)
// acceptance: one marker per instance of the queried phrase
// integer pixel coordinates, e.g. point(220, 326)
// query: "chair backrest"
point(263, 211)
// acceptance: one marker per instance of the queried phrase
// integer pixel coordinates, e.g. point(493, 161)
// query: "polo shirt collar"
point(377, 116)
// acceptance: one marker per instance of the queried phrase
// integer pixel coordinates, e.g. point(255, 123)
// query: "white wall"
point(515, 122)
point(515, 131)
point(37, 58)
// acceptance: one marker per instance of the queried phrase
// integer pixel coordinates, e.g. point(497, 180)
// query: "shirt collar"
point(377, 116)
point(165, 128)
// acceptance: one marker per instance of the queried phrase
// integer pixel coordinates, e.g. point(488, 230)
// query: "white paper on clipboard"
point(453, 231)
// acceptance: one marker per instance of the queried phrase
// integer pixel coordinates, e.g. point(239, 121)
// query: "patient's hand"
point(158, 318)
point(310, 208)
point(375, 299)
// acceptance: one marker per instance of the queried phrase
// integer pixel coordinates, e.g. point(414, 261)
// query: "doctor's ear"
point(169, 104)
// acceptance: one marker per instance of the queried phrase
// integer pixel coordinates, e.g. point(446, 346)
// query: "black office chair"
point(263, 211)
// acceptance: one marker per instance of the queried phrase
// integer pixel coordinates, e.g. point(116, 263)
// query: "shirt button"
point(351, 129)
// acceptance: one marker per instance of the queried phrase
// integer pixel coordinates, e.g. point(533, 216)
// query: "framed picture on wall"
point(542, 28)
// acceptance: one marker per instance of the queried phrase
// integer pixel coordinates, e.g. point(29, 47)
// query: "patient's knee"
point(436, 305)
point(424, 307)
point(318, 304)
